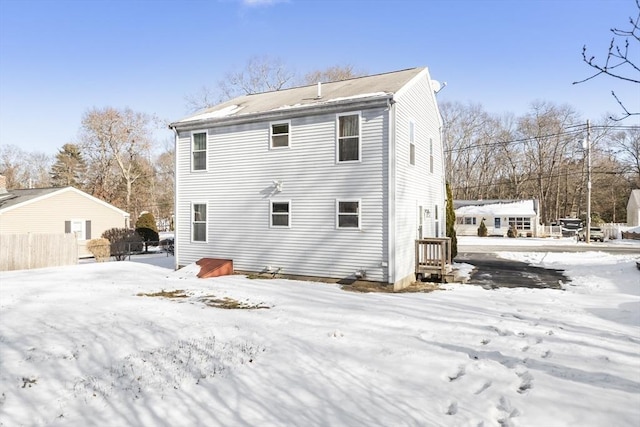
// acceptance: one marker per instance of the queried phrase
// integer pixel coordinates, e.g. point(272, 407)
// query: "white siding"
point(238, 187)
point(415, 184)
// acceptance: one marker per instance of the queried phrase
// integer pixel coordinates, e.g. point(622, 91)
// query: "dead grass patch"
point(375, 287)
point(178, 293)
point(229, 303)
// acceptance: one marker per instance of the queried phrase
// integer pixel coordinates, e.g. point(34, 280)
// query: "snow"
point(223, 112)
point(521, 208)
point(82, 345)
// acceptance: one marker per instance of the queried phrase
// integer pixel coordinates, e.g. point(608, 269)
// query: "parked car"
point(595, 233)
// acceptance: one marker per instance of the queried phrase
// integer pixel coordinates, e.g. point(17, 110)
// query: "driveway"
point(492, 272)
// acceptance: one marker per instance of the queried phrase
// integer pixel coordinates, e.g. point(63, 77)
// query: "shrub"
point(147, 229)
point(512, 231)
point(482, 230)
point(123, 241)
point(100, 248)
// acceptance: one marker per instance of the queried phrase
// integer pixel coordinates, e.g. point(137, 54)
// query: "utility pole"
point(587, 143)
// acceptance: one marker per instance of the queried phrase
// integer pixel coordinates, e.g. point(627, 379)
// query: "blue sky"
point(59, 58)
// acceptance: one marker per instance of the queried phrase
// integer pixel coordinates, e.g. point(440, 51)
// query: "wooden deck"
point(433, 257)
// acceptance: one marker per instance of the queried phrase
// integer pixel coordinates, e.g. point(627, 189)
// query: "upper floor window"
point(199, 151)
point(199, 222)
point(279, 134)
point(348, 214)
point(349, 137)
point(412, 143)
point(280, 212)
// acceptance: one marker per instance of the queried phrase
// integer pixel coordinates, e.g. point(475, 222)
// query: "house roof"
point(379, 86)
point(16, 198)
point(497, 208)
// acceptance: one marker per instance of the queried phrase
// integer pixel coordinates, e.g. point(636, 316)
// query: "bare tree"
point(117, 144)
point(24, 169)
point(332, 74)
point(618, 63)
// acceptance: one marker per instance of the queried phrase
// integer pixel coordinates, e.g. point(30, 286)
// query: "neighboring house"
point(58, 210)
point(334, 180)
point(498, 216)
point(633, 209)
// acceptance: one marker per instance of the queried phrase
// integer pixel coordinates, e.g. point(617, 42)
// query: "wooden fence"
point(37, 250)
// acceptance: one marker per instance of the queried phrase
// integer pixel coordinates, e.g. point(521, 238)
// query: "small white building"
point(498, 217)
point(334, 180)
point(633, 209)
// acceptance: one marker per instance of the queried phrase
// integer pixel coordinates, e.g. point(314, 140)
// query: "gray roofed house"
point(57, 210)
point(335, 180)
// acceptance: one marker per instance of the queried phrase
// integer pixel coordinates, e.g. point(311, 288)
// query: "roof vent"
point(319, 90)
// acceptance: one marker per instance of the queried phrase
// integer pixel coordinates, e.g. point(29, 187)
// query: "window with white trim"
point(348, 213)
point(280, 213)
point(279, 133)
point(470, 220)
point(412, 143)
point(80, 227)
point(199, 151)
point(199, 222)
point(521, 223)
point(348, 137)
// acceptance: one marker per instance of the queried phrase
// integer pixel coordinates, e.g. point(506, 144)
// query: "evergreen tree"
point(147, 229)
point(68, 168)
point(482, 230)
point(451, 221)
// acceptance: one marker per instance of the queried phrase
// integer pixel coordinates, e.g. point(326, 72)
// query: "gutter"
point(292, 112)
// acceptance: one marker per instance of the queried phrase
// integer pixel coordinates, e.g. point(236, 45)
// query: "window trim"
point(359, 136)
point(192, 151)
point(82, 233)
point(271, 213)
point(192, 222)
point(281, 122)
point(358, 214)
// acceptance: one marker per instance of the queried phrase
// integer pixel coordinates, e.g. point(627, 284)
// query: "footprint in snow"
point(527, 382)
point(452, 409)
point(485, 386)
point(460, 373)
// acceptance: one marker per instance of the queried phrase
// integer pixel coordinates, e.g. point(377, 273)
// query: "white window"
point(77, 227)
point(279, 134)
point(280, 213)
point(348, 137)
point(470, 220)
point(521, 223)
point(199, 222)
point(412, 143)
point(199, 151)
point(348, 213)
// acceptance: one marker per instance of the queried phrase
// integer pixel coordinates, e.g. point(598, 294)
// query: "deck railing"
point(433, 256)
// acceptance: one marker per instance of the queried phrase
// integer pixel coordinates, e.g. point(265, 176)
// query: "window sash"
point(280, 212)
point(199, 151)
point(348, 214)
point(199, 222)
point(349, 138)
point(279, 135)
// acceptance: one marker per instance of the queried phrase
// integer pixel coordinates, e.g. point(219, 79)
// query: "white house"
point(498, 216)
point(334, 180)
point(633, 209)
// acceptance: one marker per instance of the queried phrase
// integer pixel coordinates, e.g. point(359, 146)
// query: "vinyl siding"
point(238, 188)
point(415, 184)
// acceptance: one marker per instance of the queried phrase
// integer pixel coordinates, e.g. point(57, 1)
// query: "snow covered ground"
point(82, 346)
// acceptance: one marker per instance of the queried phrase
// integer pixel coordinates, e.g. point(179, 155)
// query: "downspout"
point(391, 202)
point(175, 199)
